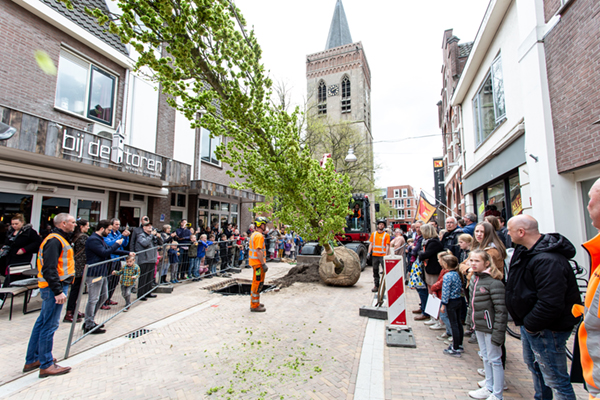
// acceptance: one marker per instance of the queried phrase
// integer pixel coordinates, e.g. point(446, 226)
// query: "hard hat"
point(260, 220)
point(382, 221)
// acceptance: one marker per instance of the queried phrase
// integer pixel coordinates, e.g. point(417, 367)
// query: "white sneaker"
point(481, 371)
point(430, 322)
point(35, 292)
point(481, 383)
point(492, 397)
point(437, 327)
point(481, 393)
point(442, 337)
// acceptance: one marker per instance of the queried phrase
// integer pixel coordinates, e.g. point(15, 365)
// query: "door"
point(129, 216)
point(51, 207)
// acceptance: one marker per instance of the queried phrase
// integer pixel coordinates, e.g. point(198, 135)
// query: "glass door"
point(89, 210)
point(51, 207)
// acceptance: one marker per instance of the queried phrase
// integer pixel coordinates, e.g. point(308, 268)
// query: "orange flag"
point(425, 210)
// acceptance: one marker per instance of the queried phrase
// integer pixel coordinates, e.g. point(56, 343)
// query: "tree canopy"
point(205, 60)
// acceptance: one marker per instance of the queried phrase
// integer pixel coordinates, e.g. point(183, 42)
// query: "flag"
point(425, 210)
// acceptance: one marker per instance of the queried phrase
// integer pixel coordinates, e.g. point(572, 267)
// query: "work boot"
point(54, 369)
point(375, 289)
point(260, 308)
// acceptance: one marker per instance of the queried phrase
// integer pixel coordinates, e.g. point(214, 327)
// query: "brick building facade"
point(454, 57)
point(403, 200)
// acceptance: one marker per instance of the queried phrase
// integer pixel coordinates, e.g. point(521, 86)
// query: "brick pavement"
point(307, 346)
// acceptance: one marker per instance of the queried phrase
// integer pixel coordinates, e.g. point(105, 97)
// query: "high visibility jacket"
point(379, 242)
point(66, 260)
point(589, 330)
point(256, 242)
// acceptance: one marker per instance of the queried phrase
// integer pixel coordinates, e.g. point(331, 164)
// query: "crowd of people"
point(466, 268)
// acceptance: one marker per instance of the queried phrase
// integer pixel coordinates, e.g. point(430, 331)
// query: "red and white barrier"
point(394, 284)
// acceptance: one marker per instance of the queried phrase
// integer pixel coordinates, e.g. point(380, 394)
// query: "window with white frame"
point(85, 89)
point(489, 109)
point(404, 192)
point(408, 214)
point(401, 214)
point(391, 213)
point(407, 202)
point(396, 193)
point(401, 203)
point(209, 147)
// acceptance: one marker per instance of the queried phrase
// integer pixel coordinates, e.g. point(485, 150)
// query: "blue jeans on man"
point(42, 335)
point(545, 355)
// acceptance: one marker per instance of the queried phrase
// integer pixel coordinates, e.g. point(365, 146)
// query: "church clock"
point(333, 90)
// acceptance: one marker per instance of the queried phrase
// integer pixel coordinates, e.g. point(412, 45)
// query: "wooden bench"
point(12, 292)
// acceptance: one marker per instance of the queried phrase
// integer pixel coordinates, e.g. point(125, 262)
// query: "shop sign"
point(88, 147)
point(517, 205)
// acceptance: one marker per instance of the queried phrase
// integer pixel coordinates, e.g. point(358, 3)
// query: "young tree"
point(204, 59)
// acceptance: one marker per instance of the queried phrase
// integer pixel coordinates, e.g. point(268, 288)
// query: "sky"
point(403, 45)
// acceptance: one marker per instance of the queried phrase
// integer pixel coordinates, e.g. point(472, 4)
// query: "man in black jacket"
point(96, 251)
point(540, 293)
point(450, 238)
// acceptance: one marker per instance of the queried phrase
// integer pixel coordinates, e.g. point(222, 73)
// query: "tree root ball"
point(349, 275)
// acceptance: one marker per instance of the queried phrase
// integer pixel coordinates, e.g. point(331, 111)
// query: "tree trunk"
point(331, 257)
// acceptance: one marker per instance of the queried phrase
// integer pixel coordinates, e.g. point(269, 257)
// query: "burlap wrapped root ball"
point(349, 275)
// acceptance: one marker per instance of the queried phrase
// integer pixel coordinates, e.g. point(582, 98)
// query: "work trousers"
point(258, 278)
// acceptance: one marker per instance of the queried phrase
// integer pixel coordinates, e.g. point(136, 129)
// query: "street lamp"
point(350, 158)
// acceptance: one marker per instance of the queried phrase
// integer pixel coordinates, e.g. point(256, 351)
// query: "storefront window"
point(234, 219)
point(495, 200)
point(51, 207)
point(590, 231)
point(215, 205)
point(224, 206)
point(203, 203)
point(13, 203)
point(516, 204)
point(180, 200)
point(176, 217)
point(480, 205)
point(89, 210)
point(234, 208)
point(202, 220)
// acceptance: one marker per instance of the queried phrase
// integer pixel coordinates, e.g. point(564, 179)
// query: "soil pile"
point(307, 273)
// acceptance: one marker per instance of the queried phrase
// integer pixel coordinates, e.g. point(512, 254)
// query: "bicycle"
point(582, 282)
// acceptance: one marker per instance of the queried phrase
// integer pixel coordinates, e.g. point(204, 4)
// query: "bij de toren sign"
point(117, 154)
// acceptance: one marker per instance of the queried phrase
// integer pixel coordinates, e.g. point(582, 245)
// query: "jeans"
point(545, 355)
point(192, 266)
point(423, 295)
point(446, 321)
point(492, 363)
point(42, 334)
point(377, 261)
point(97, 295)
point(453, 310)
point(126, 293)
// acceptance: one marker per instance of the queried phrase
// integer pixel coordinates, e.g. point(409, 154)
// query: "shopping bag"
point(433, 306)
point(416, 276)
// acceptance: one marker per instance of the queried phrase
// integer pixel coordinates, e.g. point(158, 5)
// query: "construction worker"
point(257, 260)
point(379, 246)
point(589, 330)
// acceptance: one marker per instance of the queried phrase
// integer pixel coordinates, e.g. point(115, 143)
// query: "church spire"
point(339, 32)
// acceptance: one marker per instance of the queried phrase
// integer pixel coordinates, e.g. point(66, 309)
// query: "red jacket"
point(436, 288)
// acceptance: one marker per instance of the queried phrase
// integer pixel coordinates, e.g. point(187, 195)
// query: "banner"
point(425, 210)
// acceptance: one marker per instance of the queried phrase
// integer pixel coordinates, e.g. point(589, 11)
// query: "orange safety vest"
point(589, 332)
point(379, 242)
point(256, 242)
point(66, 260)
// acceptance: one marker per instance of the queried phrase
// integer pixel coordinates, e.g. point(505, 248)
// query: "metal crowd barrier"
point(103, 316)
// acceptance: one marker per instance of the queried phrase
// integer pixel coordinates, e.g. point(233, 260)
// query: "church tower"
point(339, 80)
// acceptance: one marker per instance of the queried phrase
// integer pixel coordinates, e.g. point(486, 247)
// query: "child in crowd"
point(200, 263)
point(129, 274)
point(211, 249)
point(287, 247)
point(293, 250)
point(281, 246)
point(245, 250)
point(224, 254)
point(174, 261)
point(465, 242)
point(451, 303)
point(193, 257)
point(488, 311)
point(436, 290)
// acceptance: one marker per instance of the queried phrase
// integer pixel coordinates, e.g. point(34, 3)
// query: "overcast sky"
point(403, 45)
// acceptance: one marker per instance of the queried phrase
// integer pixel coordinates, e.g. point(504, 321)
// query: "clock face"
point(333, 90)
